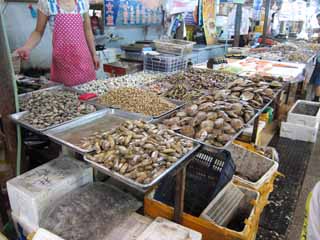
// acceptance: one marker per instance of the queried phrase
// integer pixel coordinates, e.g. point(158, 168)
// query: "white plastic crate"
point(164, 63)
point(228, 202)
point(252, 169)
point(304, 119)
point(32, 192)
point(299, 132)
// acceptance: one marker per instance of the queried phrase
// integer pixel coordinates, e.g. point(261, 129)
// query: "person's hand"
point(23, 53)
point(96, 62)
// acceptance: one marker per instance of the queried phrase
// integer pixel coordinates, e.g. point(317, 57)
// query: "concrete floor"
point(311, 178)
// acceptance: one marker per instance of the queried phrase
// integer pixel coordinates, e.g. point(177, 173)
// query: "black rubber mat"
point(277, 216)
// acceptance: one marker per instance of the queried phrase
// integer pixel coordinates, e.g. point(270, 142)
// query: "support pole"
point(179, 195)
point(237, 26)
point(266, 20)
point(7, 100)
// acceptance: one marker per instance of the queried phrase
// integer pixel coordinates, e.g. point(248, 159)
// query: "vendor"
point(245, 25)
point(315, 78)
point(74, 58)
point(275, 23)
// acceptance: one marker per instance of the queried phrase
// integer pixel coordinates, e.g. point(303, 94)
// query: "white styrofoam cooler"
point(302, 119)
point(299, 132)
point(42, 234)
point(32, 192)
point(23, 227)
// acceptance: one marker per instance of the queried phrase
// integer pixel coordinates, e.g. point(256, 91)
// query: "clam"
point(276, 84)
point(192, 110)
point(187, 131)
point(237, 124)
point(246, 96)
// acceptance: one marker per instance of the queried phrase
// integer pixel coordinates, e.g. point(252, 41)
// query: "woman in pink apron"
point(74, 57)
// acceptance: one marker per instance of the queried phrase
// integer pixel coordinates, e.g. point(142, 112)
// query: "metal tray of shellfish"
point(50, 89)
point(73, 134)
point(206, 145)
point(18, 118)
point(144, 187)
point(179, 104)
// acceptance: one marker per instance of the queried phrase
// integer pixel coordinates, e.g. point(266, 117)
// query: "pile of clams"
point(137, 101)
point(49, 108)
point(182, 92)
point(256, 93)
point(139, 151)
point(213, 119)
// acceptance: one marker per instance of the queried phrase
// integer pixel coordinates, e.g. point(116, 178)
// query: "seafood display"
point(300, 57)
point(254, 91)
point(101, 87)
point(98, 87)
point(182, 92)
point(138, 150)
point(137, 101)
point(213, 119)
point(202, 79)
point(134, 80)
point(285, 47)
point(271, 56)
point(192, 84)
point(309, 46)
point(49, 108)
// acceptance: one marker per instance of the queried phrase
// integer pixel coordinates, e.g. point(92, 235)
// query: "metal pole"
point(266, 20)
point(237, 26)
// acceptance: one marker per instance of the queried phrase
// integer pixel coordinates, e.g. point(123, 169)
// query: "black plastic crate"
point(206, 176)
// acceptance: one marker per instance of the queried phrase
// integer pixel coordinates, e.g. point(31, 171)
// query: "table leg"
point(288, 94)
point(179, 195)
point(277, 107)
point(255, 130)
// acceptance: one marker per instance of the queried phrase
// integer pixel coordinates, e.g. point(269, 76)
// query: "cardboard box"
point(32, 192)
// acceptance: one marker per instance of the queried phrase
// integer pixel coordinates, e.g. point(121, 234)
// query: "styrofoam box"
point(42, 234)
point(32, 192)
point(299, 132)
point(302, 119)
point(23, 227)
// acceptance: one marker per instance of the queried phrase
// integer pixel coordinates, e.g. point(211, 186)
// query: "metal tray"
point(17, 118)
point(41, 90)
point(178, 104)
point(139, 186)
point(70, 134)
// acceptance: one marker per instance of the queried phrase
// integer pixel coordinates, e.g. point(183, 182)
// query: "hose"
point(15, 91)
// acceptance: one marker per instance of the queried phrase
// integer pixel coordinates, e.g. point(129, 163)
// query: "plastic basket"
point(174, 46)
point(207, 174)
point(165, 63)
point(210, 230)
point(252, 168)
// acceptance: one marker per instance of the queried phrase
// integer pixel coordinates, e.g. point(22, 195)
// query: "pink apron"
point(72, 62)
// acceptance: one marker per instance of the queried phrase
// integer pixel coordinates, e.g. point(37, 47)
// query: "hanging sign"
point(133, 12)
point(209, 21)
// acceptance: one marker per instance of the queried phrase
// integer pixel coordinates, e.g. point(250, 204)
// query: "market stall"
point(159, 149)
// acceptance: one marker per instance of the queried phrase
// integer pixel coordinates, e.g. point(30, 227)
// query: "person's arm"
point(35, 37)
point(90, 40)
